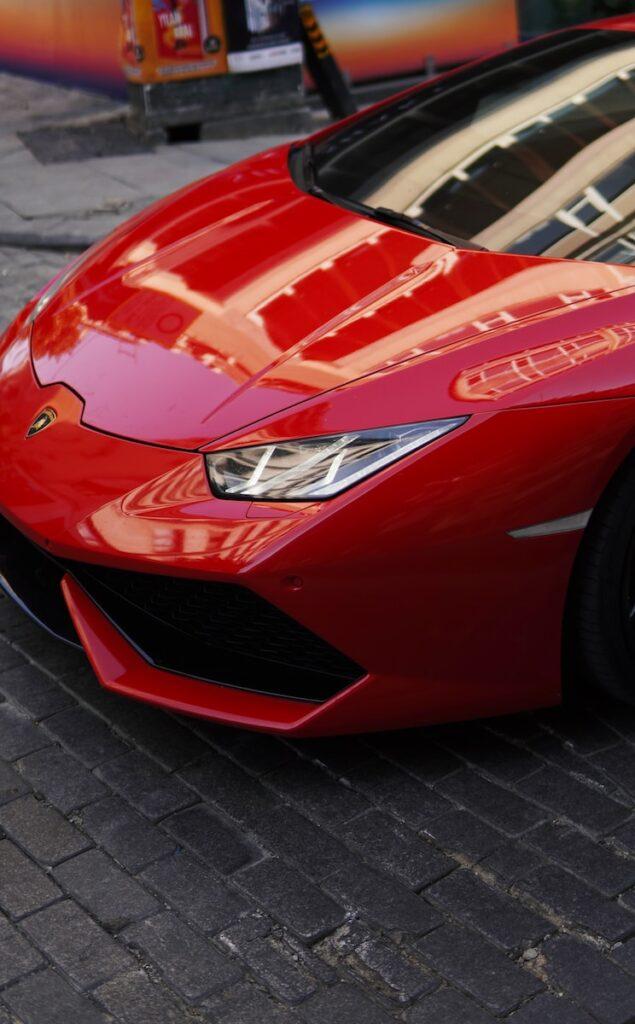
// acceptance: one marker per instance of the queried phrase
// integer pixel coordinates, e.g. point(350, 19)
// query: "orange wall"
point(376, 38)
point(68, 40)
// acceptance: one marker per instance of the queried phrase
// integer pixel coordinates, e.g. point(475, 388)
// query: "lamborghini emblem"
point(42, 421)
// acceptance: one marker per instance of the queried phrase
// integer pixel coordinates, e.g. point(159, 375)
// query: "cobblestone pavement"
point(158, 870)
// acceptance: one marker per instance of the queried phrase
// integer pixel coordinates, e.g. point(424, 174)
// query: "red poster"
point(180, 28)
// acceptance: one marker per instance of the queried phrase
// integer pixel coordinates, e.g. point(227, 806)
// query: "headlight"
point(316, 468)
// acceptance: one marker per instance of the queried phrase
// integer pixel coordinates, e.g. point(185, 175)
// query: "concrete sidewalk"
point(71, 204)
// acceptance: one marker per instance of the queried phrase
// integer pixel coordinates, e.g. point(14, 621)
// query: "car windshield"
point(532, 152)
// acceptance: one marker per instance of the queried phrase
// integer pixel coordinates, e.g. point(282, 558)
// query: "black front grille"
point(33, 580)
point(217, 632)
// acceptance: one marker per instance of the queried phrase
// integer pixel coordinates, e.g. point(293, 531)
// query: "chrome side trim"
point(568, 524)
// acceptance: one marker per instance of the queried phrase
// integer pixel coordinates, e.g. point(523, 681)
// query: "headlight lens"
point(316, 468)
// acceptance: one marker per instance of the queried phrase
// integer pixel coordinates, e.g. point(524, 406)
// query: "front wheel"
point(601, 619)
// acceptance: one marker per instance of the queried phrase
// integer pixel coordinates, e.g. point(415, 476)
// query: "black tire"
point(601, 613)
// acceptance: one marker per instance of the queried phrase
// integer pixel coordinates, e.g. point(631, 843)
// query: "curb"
point(34, 240)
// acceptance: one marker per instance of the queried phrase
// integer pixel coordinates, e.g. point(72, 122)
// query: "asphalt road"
point(156, 870)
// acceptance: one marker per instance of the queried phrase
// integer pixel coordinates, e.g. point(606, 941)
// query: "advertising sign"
point(262, 34)
point(172, 39)
point(179, 28)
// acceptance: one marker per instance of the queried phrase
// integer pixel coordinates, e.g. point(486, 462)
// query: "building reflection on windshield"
point(532, 152)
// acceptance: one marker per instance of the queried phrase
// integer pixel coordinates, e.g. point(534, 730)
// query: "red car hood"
point(241, 296)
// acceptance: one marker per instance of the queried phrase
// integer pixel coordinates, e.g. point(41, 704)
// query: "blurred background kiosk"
point(234, 66)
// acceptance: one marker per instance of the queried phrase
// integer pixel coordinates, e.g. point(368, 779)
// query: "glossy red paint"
point(242, 310)
point(281, 298)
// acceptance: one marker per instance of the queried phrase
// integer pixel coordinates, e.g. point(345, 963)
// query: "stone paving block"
point(464, 835)
point(403, 979)
point(291, 899)
point(597, 865)
point(343, 1004)
point(624, 955)
point(311, 957)
point(221, 782)
point(447, 1006)
point(511, 861)
point(144, 784)
point(211, 839)
point(549, 1009)
point(479, 969)
point(9, 658)
point(133, 999)
point(555, 750)
point(293, 837)
point(85, 735)
point(393, 847)
point(625, 837)
point(246, 1004)
point(581, 727)
point(195, 892)
point(107, 892)
point(160, 735)
point(568, 797)
point(46, 998)
point(591, 980)
point(24, 887)
point(33, 690)
point(189, 964)
point(491, 754)
point(407, 798)
point(42, 831)
point(130, 838)
point(256, 752)
point(345, 940)
point(505, 810)
point(61, 778)
point(11, 784)
point(503, 920)
point(628, 899)
point(618, 762)
point(82, 950)
point(51, 655)
point(18, 736)
point(382, 900)
point(17, 957)
point(315, 793)
point(4, 1016)
point(338, 754)
point(272, 962)
point(417, 753)
point(574, 900)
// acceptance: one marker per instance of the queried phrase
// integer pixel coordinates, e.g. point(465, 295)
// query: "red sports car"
point(343, 437)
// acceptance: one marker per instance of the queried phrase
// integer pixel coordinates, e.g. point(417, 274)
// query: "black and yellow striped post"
point(322, 66)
